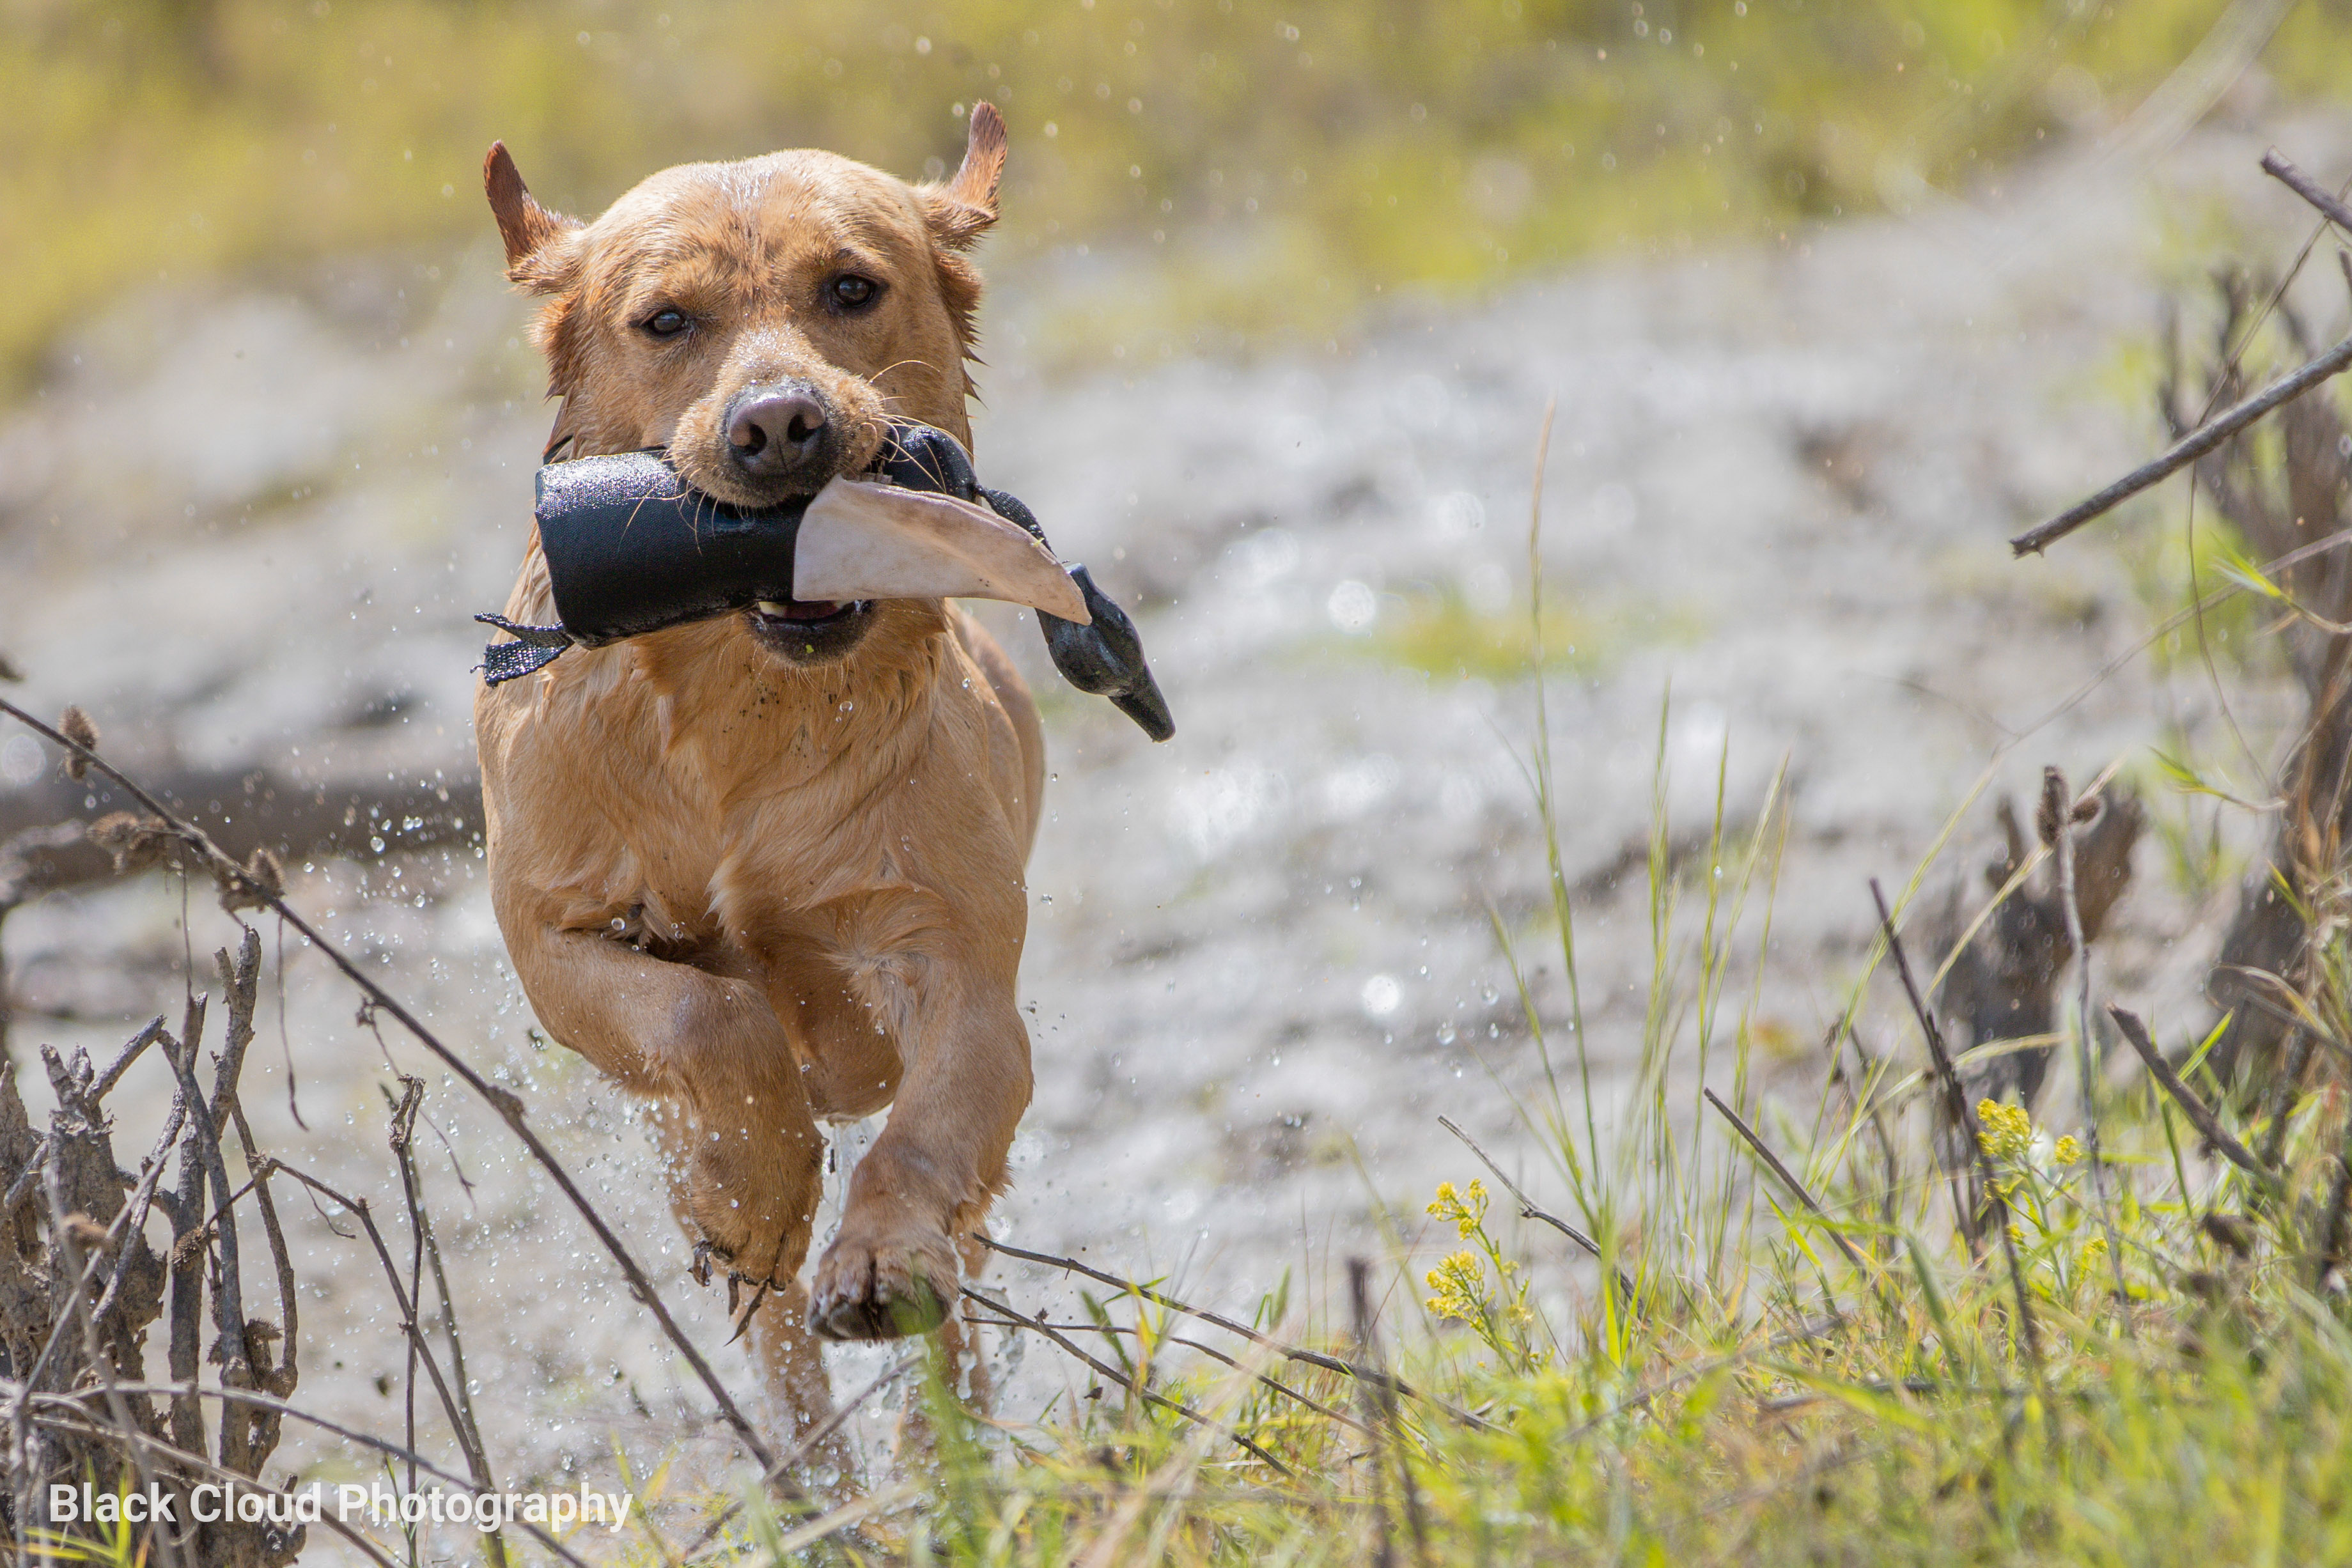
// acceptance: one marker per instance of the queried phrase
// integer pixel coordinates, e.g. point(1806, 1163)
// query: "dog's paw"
point(882, 1288)
point(742, 1221)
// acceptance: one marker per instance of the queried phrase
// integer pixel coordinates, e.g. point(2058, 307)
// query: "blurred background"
point(1238, 172)
point(1830, 297)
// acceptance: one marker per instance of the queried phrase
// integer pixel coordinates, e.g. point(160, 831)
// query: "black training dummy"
point(632, 549)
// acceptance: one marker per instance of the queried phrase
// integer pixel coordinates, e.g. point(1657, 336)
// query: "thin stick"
point(403, 1120)
point(1527, 1211)
point(417, 1346)
point(289, 1373)
point(507, 1104)
point(2298, 1059)
point(1132, 1386)
point(63, 1242)
point(1111, 1331)
point(1965, 1118)
point(131, 1052)
point(1379, 1400)
point(1288, 1351)
point(2275, 165)
point(1788, 1179)
point(402, 1141)
point(185, 1351)
point(149, 1172)
point(1383, 1552)
point(2208, 1124)
point(855, 1512)
point(2189, 448)
point(781, 1474)
point(426, 1249)
point(22, 1188)
point(2057, 819)
point(228, 1292)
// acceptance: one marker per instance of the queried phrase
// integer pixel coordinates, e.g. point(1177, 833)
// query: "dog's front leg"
point(928, 1179)
point(745, 1147)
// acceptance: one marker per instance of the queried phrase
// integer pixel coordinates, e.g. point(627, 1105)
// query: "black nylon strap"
point(533, 649)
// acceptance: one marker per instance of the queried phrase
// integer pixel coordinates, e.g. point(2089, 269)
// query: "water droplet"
point(1353, 607)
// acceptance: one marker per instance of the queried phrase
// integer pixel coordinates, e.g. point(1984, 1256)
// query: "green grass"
point(1766, 1381)
point(1279, 164)
point(1759, 1394)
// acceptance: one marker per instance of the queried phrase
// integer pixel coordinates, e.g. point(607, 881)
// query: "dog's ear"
point(960, 211)
point(530, 230)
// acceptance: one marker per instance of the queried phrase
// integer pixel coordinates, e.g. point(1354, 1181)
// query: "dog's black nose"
point(779, 432)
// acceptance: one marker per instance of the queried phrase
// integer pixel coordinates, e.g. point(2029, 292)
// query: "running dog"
point(766, 870)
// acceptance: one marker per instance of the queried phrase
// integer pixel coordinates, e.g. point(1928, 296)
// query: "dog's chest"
point(751, 812)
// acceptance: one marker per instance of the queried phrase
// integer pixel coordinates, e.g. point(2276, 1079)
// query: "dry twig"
point(235, 880)
point(2275, 165)
point(2331, 363)
point(2209, 1126)
point(1288, 1351)
point(1527, 1211)
point(1380, 1406)
point(2057, 819)
point(1788, 1179)
point(1964, 1117)
point(1102, 1369)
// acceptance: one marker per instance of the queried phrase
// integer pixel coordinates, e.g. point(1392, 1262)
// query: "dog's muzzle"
point(782, 434)
point(632, 549)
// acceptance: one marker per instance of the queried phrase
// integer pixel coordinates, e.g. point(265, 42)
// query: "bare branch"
point(2209, 1126)
point(232, 875)
point(424, 1351)
point(1964, 1117)
point(2057, 820)
point(2331, 363)
point(1788, 1179)
point(1023, 1320)
point(2275, 165)
point(780, 1474)
point(1288, 1351)
point(1527, 1211)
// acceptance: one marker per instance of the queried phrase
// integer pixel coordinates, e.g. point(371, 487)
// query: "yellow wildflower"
point(1458, 1289)
point(2005, 1132)
point(1467, 1210)
point(2067, 1152)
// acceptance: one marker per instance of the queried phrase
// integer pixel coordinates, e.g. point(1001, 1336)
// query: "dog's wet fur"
point(766, 870)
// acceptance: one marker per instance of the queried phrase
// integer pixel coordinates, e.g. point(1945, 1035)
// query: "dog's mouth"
point(810, 631)
point(803, 612)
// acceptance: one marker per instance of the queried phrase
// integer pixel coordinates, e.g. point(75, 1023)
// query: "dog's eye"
point(852, 292)
point(667, 322)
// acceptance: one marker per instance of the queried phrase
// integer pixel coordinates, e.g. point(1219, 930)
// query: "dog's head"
point(763, 320)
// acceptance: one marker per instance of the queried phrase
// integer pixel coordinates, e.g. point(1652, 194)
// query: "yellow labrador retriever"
point(766, 869)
